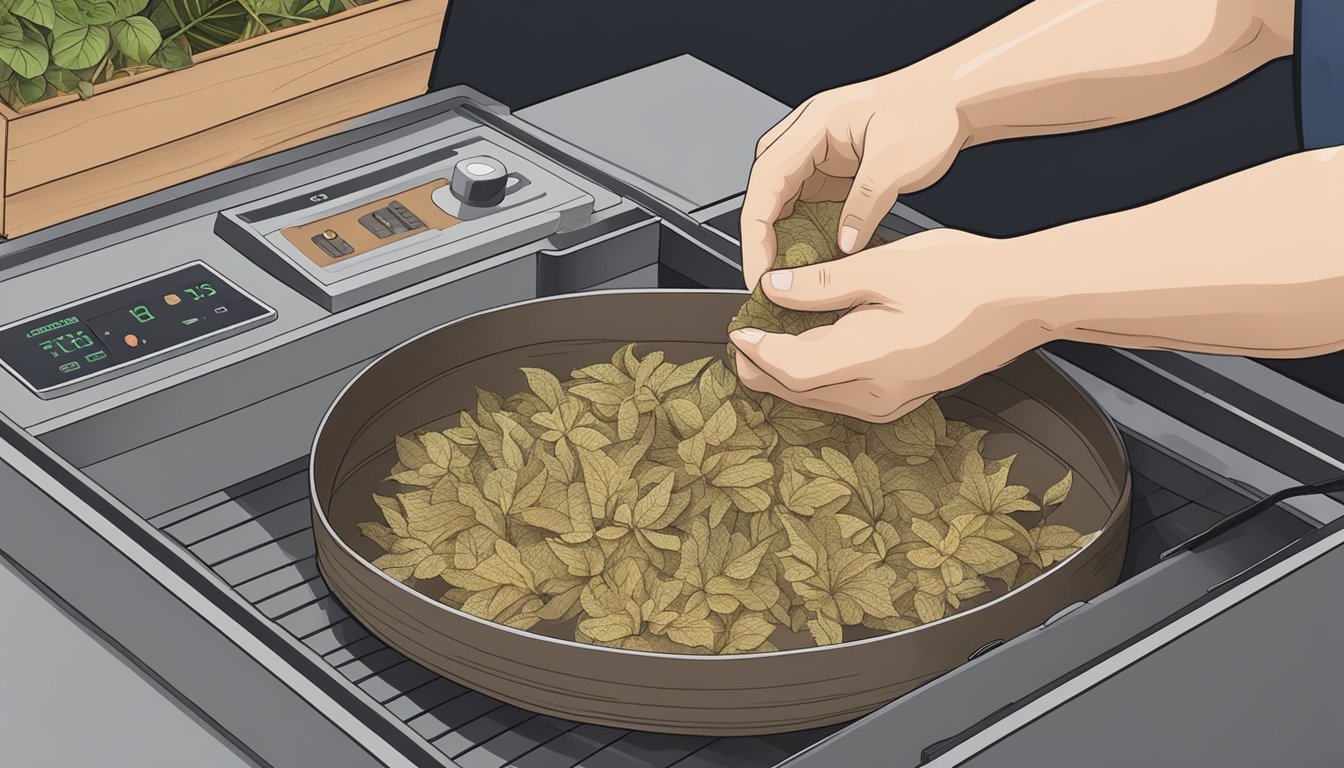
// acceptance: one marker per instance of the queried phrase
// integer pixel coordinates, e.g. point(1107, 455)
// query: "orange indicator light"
point(132, 340)
point(172, 300)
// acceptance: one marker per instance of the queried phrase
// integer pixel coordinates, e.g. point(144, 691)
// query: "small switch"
point(479, 181)
point(391, 220)
point(332, 244)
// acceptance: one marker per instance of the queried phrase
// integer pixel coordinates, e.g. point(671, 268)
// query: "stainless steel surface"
point(122, 716)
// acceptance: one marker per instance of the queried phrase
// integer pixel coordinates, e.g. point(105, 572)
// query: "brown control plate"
point(353, 236)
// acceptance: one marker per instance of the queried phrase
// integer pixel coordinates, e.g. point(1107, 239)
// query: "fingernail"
point(749, 335)
point(848, 236)
point(782, 280)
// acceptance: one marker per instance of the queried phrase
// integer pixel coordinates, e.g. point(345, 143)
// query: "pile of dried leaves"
point(660, 507)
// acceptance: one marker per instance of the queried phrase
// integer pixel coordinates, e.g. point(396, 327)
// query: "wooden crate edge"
point(113, 183)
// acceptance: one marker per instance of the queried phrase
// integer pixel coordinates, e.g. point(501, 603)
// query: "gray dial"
point(479, 181)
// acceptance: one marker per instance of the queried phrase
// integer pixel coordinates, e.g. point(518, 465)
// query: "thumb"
point(829, 286)
point(876, 186)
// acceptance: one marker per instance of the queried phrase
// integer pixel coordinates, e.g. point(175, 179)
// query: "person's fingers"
point(819, 357)
point(887, 415)
point(854, 398)
point(823, 187)
point(875, 189)
point(760, 381)
point(758, 248)
point(826, 287)
point(776, 178)
point(778, 129)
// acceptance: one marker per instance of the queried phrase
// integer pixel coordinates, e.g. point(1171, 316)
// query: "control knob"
point(479, 181)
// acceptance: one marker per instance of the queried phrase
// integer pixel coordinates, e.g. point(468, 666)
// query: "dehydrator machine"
point(154, 485)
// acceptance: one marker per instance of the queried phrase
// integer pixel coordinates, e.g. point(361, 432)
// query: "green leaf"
point(80, 47)
point(62, 80)
point(32, 89)
point(137, 37)
point(171, 57)
point(128, 8)
point(28, 58)
point(85, 12)
point(9, 93)
point(85, 89)
point(10, 31)
point(162, 16)
point(40, 12)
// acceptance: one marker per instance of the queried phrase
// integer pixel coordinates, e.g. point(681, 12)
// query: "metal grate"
point(256, 536)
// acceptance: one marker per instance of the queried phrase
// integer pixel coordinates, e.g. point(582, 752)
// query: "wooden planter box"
point(66, 157)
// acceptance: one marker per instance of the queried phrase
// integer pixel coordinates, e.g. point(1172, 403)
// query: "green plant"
point(53, 47)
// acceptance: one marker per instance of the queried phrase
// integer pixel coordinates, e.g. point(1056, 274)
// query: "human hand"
point(864, 143)
point(925, 314)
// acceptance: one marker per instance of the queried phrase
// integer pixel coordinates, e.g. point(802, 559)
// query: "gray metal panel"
point(290, 518)
point(680, 126)
point(293, 598)
point(510, 745)
point(120, 715)
point(1254, 685)
point(640, 278)
point(169, 632)
point(568, 749)
point(279, 580)
point(387, 684)
point(230, 512)
point(262, 560)
point(367, 665)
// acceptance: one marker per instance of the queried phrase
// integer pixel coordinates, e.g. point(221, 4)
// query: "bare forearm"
point(1251, 264)
point(1057, 66)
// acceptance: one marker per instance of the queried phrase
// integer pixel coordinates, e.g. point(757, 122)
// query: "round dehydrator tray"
point(1029, 407)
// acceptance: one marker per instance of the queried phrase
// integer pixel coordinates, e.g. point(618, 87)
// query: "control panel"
point(349, 238)
point(125, 328)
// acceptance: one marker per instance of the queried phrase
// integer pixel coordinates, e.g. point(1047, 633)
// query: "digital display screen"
point(111, 330)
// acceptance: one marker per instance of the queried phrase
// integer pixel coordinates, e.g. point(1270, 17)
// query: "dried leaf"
point(825, 631)
point(1056, 493)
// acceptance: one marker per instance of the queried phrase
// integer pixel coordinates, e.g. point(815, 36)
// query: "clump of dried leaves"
point(805, 237)
point(653, 506)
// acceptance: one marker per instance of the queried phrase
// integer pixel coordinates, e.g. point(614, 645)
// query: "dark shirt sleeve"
point(1319, 41)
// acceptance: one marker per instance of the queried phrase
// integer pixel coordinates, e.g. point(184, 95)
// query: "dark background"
point(525, 51)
